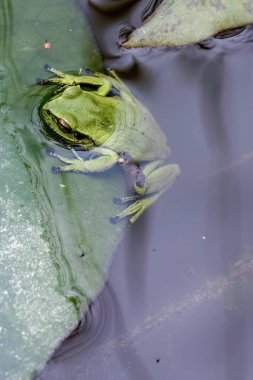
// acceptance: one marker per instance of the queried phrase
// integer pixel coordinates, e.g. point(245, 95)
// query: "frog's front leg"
point(158, 179)
point(107, 159)
point(103, 84)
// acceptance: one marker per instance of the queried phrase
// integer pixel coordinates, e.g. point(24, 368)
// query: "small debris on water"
point(47, 45)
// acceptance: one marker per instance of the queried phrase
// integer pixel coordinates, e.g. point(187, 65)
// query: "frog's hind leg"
point(158, 179)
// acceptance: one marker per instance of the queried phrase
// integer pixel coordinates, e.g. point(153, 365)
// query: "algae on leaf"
point(181, 22)
point(54, 246)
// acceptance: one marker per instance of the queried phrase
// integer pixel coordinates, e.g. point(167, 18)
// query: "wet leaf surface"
point(56, 239)
point(184, 22)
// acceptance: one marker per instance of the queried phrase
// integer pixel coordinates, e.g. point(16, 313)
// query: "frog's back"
point(138, 134)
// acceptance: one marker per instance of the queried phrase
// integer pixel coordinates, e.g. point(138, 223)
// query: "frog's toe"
point(40, 81)
point(114, 219)
point(50, 152)
point(121, 200)
point(88, 72)
point(56, 169)
point(118, 200)
point(50, 69)
point(47, 67)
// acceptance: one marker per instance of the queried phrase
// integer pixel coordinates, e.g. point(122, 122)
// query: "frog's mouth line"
point(68, 133)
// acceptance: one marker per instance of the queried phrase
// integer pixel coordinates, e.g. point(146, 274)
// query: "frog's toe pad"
point(40, 81)
point(50, 69)
point(56, 169)
point(50, 151)
point(88, 72)
point(47, 67)
point(118, 200)
point(114, 219)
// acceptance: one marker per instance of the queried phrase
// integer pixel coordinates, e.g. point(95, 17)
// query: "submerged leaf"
point(56, 239)
point(181, 22)
point(34, 316)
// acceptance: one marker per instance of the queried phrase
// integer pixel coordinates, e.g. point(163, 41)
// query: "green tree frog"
point(99, 113)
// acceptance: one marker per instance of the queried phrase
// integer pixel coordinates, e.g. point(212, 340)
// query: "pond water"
point(178, 301)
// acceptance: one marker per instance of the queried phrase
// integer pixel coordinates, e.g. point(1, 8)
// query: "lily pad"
point(56, 239)
point(34, 315)
point(181, 22)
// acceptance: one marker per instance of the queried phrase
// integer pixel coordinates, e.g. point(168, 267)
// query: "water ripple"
point(229, 39)
point(90, 329)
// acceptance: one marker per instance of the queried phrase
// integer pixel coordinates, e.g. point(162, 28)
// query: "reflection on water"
point(229, 39)
point(178, 303)
point(88, 331)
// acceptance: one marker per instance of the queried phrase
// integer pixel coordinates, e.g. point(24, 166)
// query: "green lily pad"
point(56, 239)
point(181, 22)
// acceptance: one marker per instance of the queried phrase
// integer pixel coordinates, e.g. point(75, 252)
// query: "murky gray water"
point(178, 301)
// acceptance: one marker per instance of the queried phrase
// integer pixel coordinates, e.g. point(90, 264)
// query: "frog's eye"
point(64, 125)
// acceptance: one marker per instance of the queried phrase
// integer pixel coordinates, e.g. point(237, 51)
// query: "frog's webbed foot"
point(136, 209)
point(159, 178)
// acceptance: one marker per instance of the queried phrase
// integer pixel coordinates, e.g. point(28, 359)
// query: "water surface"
point(178, 301)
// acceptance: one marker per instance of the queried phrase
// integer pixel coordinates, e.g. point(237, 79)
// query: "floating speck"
point(47, 45)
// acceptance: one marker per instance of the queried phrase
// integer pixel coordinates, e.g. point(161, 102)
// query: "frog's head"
point(79, 116)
